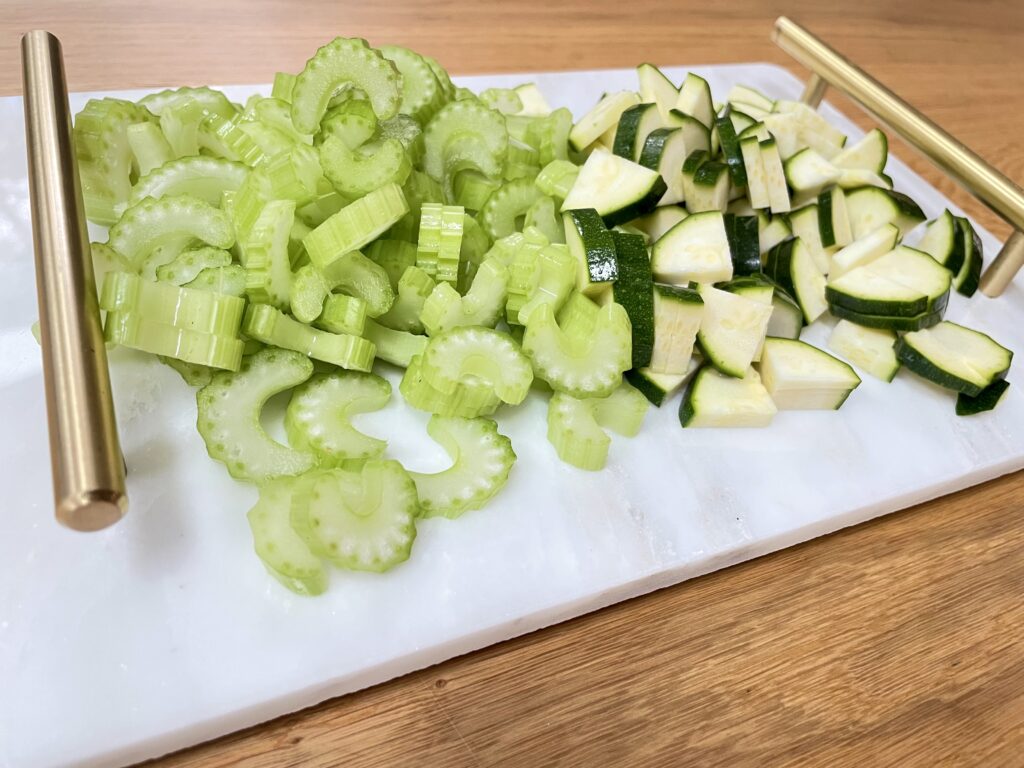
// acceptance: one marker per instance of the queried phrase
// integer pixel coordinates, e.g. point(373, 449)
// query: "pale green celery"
point(149, 147)
point(445, 309)
point(505, 209)
point(283, 552)
point(353, 122)
point(438, 250)
point(284, 82)
point(204, 178)
point(294, 175)
point(557, 178)
point(544, 216)
point(343, 314)
point(229, 416)
point(548, 278)
point(481, 461)
point(356, 275)
point(365, 520)
point(194, 375)
point(210, 99)
point(319, 416)
point(296, 251)
point(521, 161)
point(134, 329)
point(421, 92)
point(414, 287)
point(418, 189)
point(394, 257)
point(464, 135)
point(277, 114)
point(505, 100)
point(268, 140)
point(271, 326)
point(187, 265)
point(472, 252)
point(575, 434)
point(355, 173)
point(341, 62)
point(229, 280)
point(470, 398)
point(550, 136)
point(265, 255)
point(158, 302)
point(395, 347)
point(408, 132)
point(471, 189)
point(622, 411)
point(479, 353)
point(320, 209)
point(226, 139)
point(447, 88)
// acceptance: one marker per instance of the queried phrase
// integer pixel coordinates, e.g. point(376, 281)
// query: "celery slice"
point(395, 347)
point(167, 225)
point(445, 309)
point(187, 265)
point(557, 178)
point(447, 88)
point(471, 189)
point(543, 215)
point(464, 135)
point(342, 62)
point(227, 139)
point(393, 256)
point(585, 356)
point(308, 292)
point(414, 287)
point(407, 132)
point(575, 434)
point(546, 276)
point(343, 314)
point(440, 241)
point(271, 326)
point(319, 210)
point(185, 308)
point(195, 375)
point(418, 189)
point(353, 122)
point(204, 178)
point(282, 87)
point(365, 520)
point(505, 100)
point(210, 99)
point(354, 226)
point(277, 113)
point(471, 397)
point(267, 264)
point(481, 461)
point(505, 208)
point(356, 275)
point(229, 416)
point(319, 416)
point(472, 252)
point(481, 353)
point(549, 135)
point(131, 329)
point(149, 147)
point(421, 92)
point(622, 411)
point(262, 141)
point(229, 280)
point(356, 172)
point(284, 553)
point(294, 175)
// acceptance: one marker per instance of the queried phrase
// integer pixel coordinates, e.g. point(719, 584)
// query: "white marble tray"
point(165, 630)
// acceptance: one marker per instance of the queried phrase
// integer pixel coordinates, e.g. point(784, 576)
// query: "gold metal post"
point(88, 470)
point(814, 91)
point(986, 183)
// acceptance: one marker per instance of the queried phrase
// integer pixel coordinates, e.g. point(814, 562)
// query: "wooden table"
point(898, 642)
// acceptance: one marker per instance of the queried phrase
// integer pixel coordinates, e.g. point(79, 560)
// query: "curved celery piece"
point(296, 252)
point(464, 135)
point(393, 256)
point(414, 287)
point(268, 140)
point(585, 358)
point(483, 353)
point(470, 398)
point(282, 87)
point(294, 175)
point(319, 210)
point(286, 556)
point(319, 416)
point(505, 208)
point(130, 328)
point(105, 259)
point(407, 131)
point(353, 122)
point(343, 314)
point(505, 100)
point(229, 280)
point(210, 99)
point(443, 80)
point(365, 520)
point(445, 309)
point(548, 278)
point(204, 178)
point(622, 411)
point(104, 155)
point(277, 114)
point(356, 275)
point(550, 136)
point(225, 138)
point(575, 433)
point(157, 302)
point(395, 347)
point(354, 226)
point(556, 178)
point(481, 461)
point(471, 189)
point(308, 292)
point(418, 189)
point(180, 125)
point(271, 326)
point(168, 224)
point(521, 161)
point(195, 375)
point(439, 248)
point(340, 62)
point(421, 92)
point(354, 173)
point(187, 265)
point(268, 274)
point(544, 216)
point(229, 416)
point(149, 147)
point(472, 252)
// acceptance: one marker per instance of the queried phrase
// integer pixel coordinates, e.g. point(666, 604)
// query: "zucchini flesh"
point(967, 279)
point(593, 247)
point(944, 242)
point(954, 357)
point(677, 319)
point(870, 349)
point(869, 154)
point(863, 251)
point(618, 189)
point(713, 399)
point(603, 117)
point(732, 329)
point(744, 244)
point(799, 376)
point(696, 249)
point(660, 220)
point(659, 387)
point(790, 265)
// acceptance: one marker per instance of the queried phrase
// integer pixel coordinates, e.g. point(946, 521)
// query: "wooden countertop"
point(898, 642)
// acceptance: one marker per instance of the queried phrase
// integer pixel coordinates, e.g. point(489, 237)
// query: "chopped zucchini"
point(870, 349)
point(696, 249)
point(713, 399)
point(799, 376)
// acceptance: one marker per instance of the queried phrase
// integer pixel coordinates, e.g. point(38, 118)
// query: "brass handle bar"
point(85, 453)
point(986, 183)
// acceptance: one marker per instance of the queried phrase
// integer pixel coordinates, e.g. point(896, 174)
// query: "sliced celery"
point(447, 89)
point(270, 326)
point(471, 189)
point(286, 556)
point(414, 287)
point(356, 275)
point(225, 138)
point(393, 256)
point(284, 82)
point(229, 280)
point(229, 416)
point(308, 291)
point(209, 99)
point(537, 277)
point(505, 100)
point(505, 209)
point(189, 263)
point(353, 122)
point(356, 172)
point(557, 178)
point(265, 253)
point(445, 309)
point(481, 353)
point(277, 113)
point(319, 416)
point(549, 135)
point(440, 241)
point(195, 375)
point(319, 210)
point(575, 433)
point(294, 175)
point(395, 347)
point(204, 178)
point(418, 189)
point(472, 252)
point(471, 397)
point(158, 302)
point(464, 135)
point(365, 520)
point(149, 147)
point(622, 411)
point(130, 328)
point(354, 226)
point(481, 461)
point(421, 92)
point(263, 141)
point(341, 62)
point(343, 314)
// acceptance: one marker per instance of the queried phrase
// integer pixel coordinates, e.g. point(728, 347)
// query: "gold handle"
point(88, 469)
point(987, 184)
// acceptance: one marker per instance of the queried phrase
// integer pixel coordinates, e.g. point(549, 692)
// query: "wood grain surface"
point(899, 642)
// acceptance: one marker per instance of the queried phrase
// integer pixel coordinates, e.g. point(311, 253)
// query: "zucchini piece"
point(286, 555)
point(809, 172)
point(744, 244)
point(665, 151)
point(867, 292)
point(887, 322)
point(791, 265)
point(710, 191)
point(753, 166)
point(805, 223)
point(696, 135)
point(694, 160)
point(985, 400)
point(833, 220)
point(944, 242)
point(864, 250)
point(915, 268)
point(732, 329)
point(635, 125)
point(696, 249)
point(593, 247)
point(660, 220)
point(871, 207)
point(618, 189)
point(868, 154)
point(772, 231)
point(775, 177)
point(870, 349)
point(677, 319)
point(632, 290)
point(229, 416)
point(750, 97)
point(656, 88)
point(603, 117)
point(954, 357)
point(967, 279)
point(659, 387)
point(713, 399)
point(802, 377)
point(481, 461)
point(695, 100)
point(731, 147)
point(787, 320)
